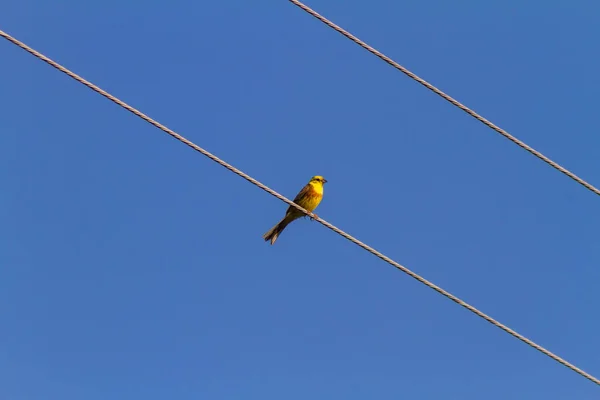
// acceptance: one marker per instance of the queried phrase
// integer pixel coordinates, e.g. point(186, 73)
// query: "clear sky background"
point(133, 267)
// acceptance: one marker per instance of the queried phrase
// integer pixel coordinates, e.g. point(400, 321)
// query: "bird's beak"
point(324, 180)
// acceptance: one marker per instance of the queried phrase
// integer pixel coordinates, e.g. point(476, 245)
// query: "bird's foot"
point(313, 216)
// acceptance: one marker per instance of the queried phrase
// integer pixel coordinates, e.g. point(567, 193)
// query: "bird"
point(308, 198)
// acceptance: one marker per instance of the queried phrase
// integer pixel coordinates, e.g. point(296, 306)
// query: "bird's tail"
point(273, 233)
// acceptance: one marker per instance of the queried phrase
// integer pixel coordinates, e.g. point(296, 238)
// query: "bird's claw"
point(313, 216)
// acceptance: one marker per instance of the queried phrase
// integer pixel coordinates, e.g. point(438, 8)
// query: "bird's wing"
point(305, 190)
point(303, 193)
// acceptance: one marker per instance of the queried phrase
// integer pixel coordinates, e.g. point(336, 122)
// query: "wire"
point(446, 97)
point(289, 202)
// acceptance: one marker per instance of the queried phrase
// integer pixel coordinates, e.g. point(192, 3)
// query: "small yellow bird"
point(309, 198)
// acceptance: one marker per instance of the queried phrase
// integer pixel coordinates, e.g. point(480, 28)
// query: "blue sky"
point(133, 267)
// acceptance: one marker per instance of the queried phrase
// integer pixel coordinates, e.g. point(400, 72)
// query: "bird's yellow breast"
point(317, 187)
point(312, 198)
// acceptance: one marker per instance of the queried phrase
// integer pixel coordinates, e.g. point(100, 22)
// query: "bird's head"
point(318, 180)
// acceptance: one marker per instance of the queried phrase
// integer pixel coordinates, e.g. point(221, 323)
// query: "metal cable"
point(289, 202)
point(446, 97)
